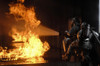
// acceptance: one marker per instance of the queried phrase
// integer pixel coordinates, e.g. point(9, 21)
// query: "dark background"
point(55, 15)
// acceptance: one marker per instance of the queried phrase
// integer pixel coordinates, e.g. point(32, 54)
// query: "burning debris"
point(30, 48)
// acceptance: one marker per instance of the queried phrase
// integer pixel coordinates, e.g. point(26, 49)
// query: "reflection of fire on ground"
point(27, 44)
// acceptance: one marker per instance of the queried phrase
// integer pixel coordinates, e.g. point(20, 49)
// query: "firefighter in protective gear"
point(70, 36)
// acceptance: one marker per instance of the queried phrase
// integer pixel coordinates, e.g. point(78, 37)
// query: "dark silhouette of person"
point(88, 42)
point(70, 36)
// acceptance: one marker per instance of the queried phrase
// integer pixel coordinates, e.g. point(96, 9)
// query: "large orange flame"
point(31, 49)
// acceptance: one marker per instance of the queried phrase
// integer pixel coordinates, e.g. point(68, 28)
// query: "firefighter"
point(88, 42)
point(70, 36)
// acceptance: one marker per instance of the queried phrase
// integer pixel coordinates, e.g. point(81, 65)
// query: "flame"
point(22, 1)
point(31, 48)
point(22, 13)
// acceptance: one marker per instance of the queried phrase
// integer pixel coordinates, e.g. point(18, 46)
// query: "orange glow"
point(22, 1)
point(31, 48)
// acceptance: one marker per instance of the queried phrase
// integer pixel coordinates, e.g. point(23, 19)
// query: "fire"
point(30, 48)
point(22, 13)
point(22, 1)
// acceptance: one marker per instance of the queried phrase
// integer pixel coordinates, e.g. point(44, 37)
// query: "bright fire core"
point(31, 49)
